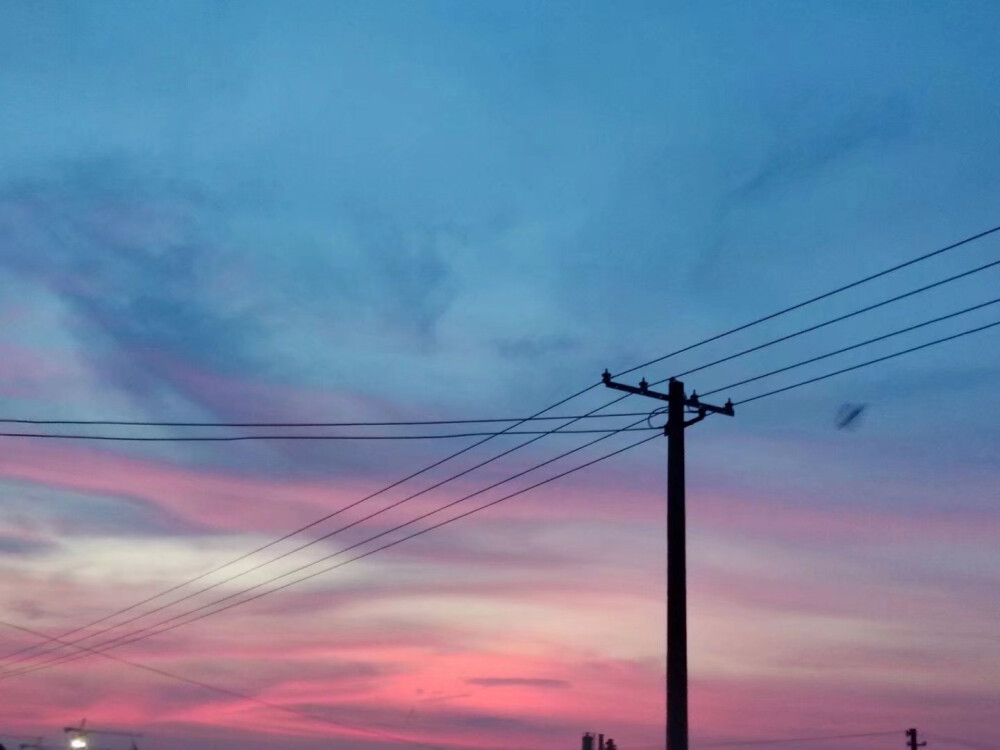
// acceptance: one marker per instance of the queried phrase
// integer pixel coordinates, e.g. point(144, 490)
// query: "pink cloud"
point(451, 680)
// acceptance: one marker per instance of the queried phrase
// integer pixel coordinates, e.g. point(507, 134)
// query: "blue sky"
point(370, 211)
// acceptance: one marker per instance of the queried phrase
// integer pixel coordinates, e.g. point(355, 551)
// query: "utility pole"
point(678, 405)
point(911, 739)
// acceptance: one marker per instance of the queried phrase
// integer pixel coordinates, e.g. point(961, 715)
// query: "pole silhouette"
point(911, 739)
point(678, 406)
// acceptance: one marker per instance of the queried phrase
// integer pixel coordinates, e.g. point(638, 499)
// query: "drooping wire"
point(581, 392)
point(32, 653)
point(842, 350)
point(97, 648)
point(804, 739)
point(817, 298)
point(745, 326)
point(831, 321)
point(410, 423)
point(238, 438)
point(326, 517)
point(722, 360)
point(150, 630)
point(868, 363)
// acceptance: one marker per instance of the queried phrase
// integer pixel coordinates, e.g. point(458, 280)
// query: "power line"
point(352, 559)
point(650, 438)
point(23, 655)
point(690, 347)
point(869, 362)
point(519, 420)
point(150, 630)
point(538, 416)
point(479, 492)
point(837, 319)
point(825, 295)
point(410, 423)
point(842, 350)
point(232, 693)
point(331, 515)
point(388, 545)
point(552, 478)
point(237, 438)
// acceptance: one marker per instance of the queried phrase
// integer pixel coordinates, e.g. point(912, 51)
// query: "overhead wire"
point(407, 423)
point(419, 532)
point(451, 520)
point(819, 297)
point(724, 334)
point(238, 438)
point(519, 420)
point(759, 320)
point(845, 349)
point(116, 642)
point(151, 630)
point(758, 377)
point(324, 518)
point(831, 321)
point(538, 416)
point(868, 363)
point(744, 352)
point(24, 654)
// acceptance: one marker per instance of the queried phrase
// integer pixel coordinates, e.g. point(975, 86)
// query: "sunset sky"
point(399, 211)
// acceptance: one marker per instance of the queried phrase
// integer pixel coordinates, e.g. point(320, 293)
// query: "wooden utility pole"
point(678, 406)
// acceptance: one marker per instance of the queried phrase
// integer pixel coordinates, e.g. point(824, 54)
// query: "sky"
point(399, 211)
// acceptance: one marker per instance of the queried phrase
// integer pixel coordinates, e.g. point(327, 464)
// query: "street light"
point(80, 735)
point(79, 739)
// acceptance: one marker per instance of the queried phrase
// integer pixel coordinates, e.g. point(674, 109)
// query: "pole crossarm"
point(691, 401)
